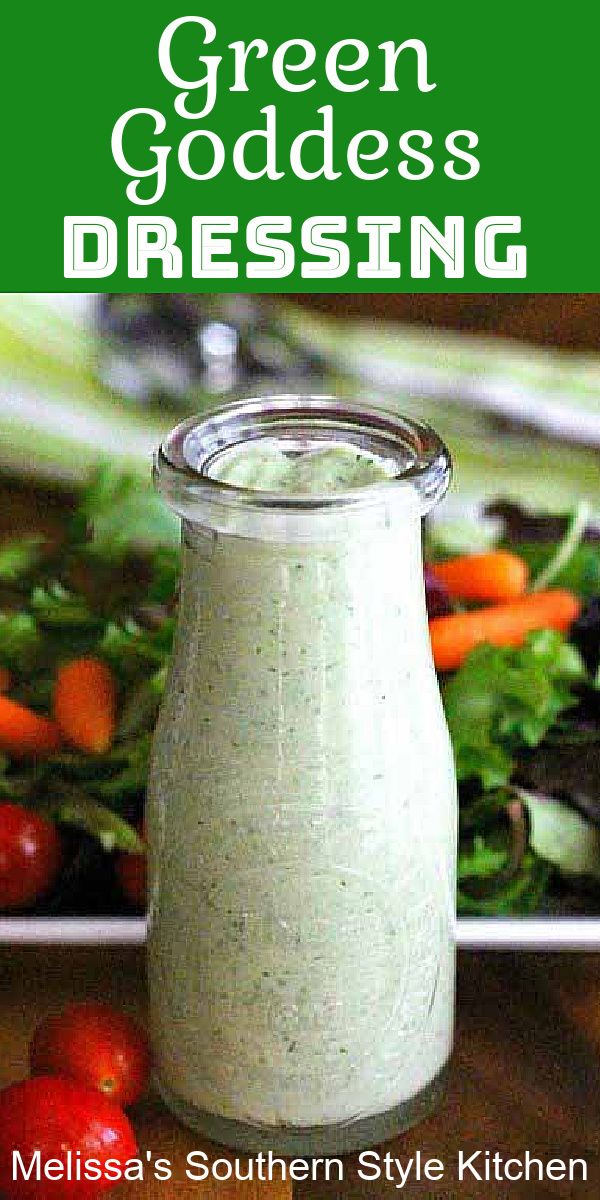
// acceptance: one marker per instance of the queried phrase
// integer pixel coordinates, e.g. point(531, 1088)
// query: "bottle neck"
point(385, 558)
point(280, 467)
point(342, 526)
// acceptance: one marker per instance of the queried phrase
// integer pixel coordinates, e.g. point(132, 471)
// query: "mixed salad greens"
point(525, 728)
point(93, 594)
point(524, 719)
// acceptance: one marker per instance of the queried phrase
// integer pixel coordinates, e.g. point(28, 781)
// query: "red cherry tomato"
point(97, 1046)
point(30, 856)
point(131, 872)
point(58, 1116)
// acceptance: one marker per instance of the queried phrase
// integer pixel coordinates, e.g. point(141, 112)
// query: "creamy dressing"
point(322, 471)
point(302, 815)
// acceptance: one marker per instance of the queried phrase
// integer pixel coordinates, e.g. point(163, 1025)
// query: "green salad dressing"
point(302, 813)
point(322, 472)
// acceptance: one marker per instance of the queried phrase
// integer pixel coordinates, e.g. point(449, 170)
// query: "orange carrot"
point(453, 637)
point(24, 733)
point(495, 576)
point(85, 702)
point(4, 679)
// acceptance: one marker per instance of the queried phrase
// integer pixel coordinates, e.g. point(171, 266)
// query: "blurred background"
point(569, 320)
point(511, 381)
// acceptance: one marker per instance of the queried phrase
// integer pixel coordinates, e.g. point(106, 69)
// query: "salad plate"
point(478, 933)
point(529, 864)
point(100, 799)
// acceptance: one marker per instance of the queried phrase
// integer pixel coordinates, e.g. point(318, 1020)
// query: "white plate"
point(476, 933)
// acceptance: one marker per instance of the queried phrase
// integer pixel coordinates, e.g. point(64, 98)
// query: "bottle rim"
point(183, 462)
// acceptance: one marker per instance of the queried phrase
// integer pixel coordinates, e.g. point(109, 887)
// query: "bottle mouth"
point(413, 458)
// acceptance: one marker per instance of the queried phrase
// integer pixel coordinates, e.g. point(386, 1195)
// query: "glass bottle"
point(302, 801)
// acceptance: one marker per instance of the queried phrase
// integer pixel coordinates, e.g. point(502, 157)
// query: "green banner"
point(393, 148)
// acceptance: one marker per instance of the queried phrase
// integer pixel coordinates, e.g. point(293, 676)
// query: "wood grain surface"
point(525, 1075)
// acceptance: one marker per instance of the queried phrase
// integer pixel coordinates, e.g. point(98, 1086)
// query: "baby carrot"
point(495, 576)
point(85, 701)
point(453, 637)
point(24, 733)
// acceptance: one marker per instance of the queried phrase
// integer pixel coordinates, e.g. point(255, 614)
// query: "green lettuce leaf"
point(112, 831)
point(503, 698)
point(19, 557)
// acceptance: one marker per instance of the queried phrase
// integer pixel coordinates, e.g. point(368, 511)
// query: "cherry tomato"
point(97, 1046)
point(30, 856)
point(132, 876)
point(56, 1116)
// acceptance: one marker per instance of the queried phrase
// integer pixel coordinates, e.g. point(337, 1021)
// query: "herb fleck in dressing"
point(302, 810)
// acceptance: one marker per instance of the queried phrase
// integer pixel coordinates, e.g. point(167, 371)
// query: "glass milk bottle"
point(302, 802)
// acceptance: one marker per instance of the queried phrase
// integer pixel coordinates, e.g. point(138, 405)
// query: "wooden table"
point(526, 1072)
